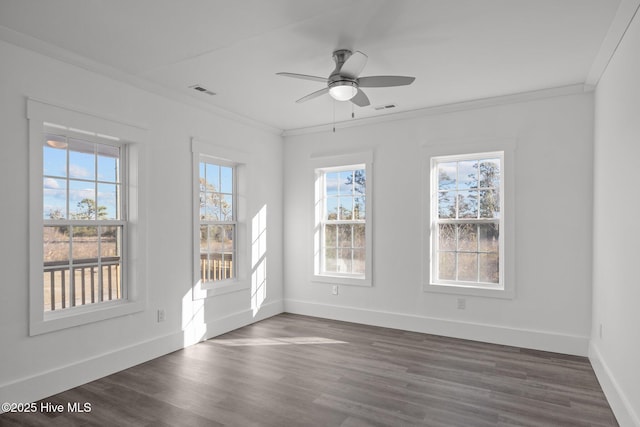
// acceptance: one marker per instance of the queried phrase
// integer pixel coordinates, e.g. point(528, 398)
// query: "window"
point(467, 220)
point(342, 224)
point(86, 218)
point(221, 241)
point(217, 198)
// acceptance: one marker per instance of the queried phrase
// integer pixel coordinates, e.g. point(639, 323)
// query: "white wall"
point(616, 292)
point(38, 366)
point(553, 213)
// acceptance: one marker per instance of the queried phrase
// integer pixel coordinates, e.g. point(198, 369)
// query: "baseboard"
point(620, 405)
point(537, 340)
point(44, 384)
point(242, 318)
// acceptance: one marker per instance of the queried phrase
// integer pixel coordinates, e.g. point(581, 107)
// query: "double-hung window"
point(221, 255)
point(217, 198)
point(467, 220)
point(84, 219)
point(343, 223)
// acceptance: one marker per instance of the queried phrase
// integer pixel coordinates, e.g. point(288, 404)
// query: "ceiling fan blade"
point(313, 95)
point(361, 100)
point(385, 81)
point(353, 66)
point(304, 77)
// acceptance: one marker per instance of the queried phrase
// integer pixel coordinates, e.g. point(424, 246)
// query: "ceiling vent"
point(384, 107)
point(202, 89)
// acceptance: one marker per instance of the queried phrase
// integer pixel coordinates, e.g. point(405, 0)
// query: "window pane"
point(332, 208)
point(331, 183)
point(467, 237)
point(447, 237)
point(84, 244)
point(468, 267)
point(360, 177)
point(346, 208)
point(226, 180)
point(359, 257)
point(212, 206)
point(56, 244)
point(330, 260)
point(330, 236)
point(56, 288)
point(345, 183)
point(447, 176)
point(468, 204)
point(447, 265)
point(344, 260)
point(82, 201)
point(206, 268)
point(82, 159)
point(202, 175)
point(108, 163)
point(212, 176)
point(359, 238)
point(489, 204)
point(468, 174)
point(488, 238)
point(108, 201)
point(54, 198)
point(228, 237)
point(345, 236)
point(446, 204)
point(489, 270)
point(490, 173)
point(226, 207)
point(359, 208)
point(110, 238)
point(110, 282)
point(203, 204)
point(54, 155)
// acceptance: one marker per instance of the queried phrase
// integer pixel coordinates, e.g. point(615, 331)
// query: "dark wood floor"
point(293, 370)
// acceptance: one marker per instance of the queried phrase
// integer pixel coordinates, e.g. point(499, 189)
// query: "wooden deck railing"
point(59, 292)
point(213, 267)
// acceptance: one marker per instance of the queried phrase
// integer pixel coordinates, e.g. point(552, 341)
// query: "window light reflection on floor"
point(237, 342)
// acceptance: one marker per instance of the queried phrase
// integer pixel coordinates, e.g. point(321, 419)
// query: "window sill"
point(62, 319)
point(212, 289)
point(468, 290)
point(342, 280)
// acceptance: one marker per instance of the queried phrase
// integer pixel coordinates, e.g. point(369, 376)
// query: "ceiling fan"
point(343, 84)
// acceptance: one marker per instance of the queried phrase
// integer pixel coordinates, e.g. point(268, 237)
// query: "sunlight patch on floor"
point(237, 342)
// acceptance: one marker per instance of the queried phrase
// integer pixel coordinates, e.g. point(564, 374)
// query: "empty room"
point(319, 213)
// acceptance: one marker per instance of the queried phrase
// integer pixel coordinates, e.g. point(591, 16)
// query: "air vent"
point(199, 88)
point(384, 107)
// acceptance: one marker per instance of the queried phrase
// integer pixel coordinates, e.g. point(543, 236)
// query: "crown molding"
point(625, 14)
point(447, 108)
point(54, 52)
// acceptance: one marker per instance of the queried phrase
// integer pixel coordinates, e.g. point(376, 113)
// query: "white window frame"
point(215, 154)
point(459, 151)
point(321, 165)
point(98, 129)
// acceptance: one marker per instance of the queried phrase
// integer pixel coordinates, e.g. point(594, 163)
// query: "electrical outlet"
point(462, 303)
point(334, 290)
point(161, 315)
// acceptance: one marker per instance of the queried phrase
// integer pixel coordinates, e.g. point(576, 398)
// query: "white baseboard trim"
point(620, 405)
point(44, 384)
point(537, 340)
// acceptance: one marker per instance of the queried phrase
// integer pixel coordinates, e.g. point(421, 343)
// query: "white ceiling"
point(458, 50)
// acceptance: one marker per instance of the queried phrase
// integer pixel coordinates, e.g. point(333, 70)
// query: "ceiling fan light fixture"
point(343, 90)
